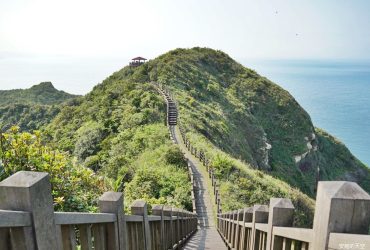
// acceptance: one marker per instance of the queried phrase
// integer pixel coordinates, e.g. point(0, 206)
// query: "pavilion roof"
point(138, 58)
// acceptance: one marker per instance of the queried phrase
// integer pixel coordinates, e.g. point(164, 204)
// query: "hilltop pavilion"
point(137, 61)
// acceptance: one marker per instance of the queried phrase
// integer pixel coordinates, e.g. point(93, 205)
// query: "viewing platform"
point(137, 61)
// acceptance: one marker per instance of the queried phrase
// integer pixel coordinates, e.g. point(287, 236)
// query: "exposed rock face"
point(265, 153)
point(311, 147)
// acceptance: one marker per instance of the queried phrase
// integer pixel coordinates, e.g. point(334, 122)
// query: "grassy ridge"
point(251, 118)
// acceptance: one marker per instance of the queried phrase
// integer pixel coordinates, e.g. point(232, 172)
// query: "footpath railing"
point(168, 95)
point(342, 219)
point(199, 154)
point(342, 216)
point(28, 221)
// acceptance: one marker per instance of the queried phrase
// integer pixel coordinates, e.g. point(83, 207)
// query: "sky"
point(77, 43)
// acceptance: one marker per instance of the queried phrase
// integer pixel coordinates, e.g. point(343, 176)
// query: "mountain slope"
point(41, 94)
point(26, 116)
point(32, 108)
point(117, 130)
point(251, 118)
point(261, 142)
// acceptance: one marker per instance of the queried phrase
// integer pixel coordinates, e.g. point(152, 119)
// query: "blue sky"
point(87, 40)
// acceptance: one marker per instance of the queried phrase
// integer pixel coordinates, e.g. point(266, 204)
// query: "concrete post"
point(112, 202)
point(280, 214)
point(260, 215)
point(31, 192)
point(341, 207)
point(139, 207)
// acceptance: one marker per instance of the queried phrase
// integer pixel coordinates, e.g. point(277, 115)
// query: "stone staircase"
point(171, 110)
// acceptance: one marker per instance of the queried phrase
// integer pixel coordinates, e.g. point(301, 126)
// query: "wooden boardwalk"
point(207, 236)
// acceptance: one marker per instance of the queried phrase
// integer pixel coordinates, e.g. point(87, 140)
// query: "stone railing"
point(342, 219)
point(28, 221)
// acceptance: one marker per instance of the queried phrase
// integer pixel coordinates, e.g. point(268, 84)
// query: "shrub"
point(175, 156)
point(73, 187)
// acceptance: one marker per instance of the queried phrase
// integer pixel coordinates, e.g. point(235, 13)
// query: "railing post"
point(112, 202)
point(247, 217)
point(238, 228)
point(222, 224)
point(219, 210)
point(182, 224)
point(176, 212)
point(167, 211)
point(228, 226)
point(260, 215)
point(31, 192)
point(280, 214)
point(233, 228)
point(216, 194)
point(139, 207)
point(158, 210)
point(341, 207)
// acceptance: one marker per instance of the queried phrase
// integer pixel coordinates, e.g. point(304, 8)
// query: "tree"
point(74, 187)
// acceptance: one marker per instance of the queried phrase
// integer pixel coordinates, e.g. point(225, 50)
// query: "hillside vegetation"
point(42, 94)
point(261, 143)
point(32, 108)
point(118, 131)
point(74, 188)
point(252, 119)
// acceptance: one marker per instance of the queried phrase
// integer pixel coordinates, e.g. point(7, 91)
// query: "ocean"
point(335, 94)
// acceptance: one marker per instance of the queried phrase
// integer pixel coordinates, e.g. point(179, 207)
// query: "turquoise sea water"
point(335, 94)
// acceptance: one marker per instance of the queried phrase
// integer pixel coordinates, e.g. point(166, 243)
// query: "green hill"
point(31, 108)
point(252, 119)
point(117, 130)
point(260, 141)
point(41, 94)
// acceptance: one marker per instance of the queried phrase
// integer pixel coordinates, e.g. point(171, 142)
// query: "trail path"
point(206, 236)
